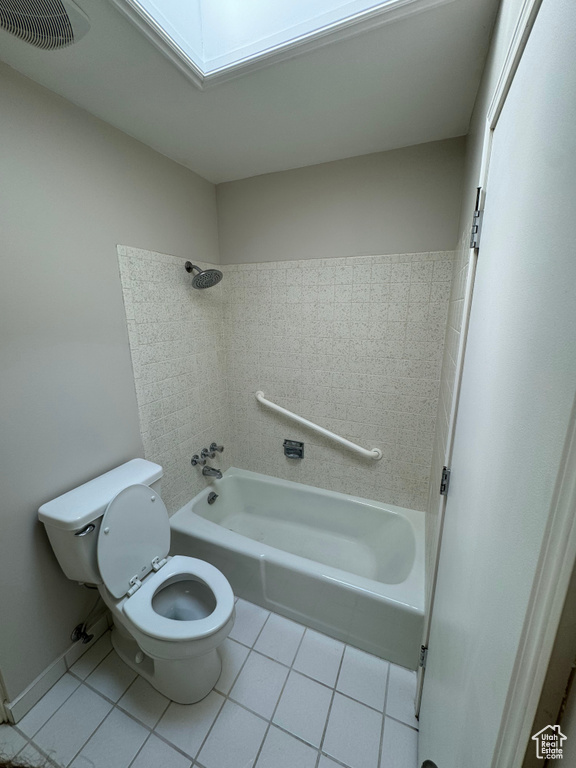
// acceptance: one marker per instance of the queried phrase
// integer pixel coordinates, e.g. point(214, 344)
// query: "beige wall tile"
point(354, 344)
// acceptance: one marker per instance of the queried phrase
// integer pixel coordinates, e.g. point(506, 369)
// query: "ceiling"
point(407, 82)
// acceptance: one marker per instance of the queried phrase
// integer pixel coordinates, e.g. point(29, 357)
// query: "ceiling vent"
point(46, 24)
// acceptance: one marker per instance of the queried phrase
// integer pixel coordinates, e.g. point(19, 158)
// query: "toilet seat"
point(133, 545)
point(139, 611)
point(134, 537)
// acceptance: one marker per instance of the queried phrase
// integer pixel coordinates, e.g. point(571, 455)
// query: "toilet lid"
point(135, 529)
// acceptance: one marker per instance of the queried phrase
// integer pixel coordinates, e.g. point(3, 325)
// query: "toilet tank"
point(73, 520)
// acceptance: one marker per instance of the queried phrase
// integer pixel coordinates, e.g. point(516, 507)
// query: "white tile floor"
point(288, 697)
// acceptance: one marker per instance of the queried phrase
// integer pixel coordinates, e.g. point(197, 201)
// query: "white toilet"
point(170, 613)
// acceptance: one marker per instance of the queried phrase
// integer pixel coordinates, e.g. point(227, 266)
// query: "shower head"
point(205, 278)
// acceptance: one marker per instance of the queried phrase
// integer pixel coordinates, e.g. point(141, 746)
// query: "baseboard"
point(23, 703)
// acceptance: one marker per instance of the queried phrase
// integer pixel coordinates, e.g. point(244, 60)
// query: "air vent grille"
point(42, 23)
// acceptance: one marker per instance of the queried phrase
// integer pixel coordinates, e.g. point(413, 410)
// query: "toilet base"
point(185, 681)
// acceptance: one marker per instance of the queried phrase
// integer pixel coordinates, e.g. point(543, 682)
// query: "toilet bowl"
point(182, 613)
point(170, 614)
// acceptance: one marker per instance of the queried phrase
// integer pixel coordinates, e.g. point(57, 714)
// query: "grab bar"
point(375, 453)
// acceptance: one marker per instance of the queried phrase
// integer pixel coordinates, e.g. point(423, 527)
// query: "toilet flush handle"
point(86, 530)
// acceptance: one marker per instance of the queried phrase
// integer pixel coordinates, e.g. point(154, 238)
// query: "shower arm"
point(375, 453)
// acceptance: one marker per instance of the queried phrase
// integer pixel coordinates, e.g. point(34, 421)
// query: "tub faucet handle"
point(197, 460)
point(205, 453)
point(214, 447)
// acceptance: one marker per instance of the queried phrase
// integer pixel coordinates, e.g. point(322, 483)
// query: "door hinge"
point(423, 656)
point(477, 217)
point(444, 481)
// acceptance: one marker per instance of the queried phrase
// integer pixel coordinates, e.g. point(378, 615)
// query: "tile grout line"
point(401, 722)
point(127, 712)
point(172, 745)
point(160, 736)
point(208, 732)
point(105, 696)
point(278, 700)
point(102, 660)
point(236, 676)
point(251, 711)
point(94, 732)
point(334, 759)
point(381, 745)
point(46, 755)
point(281, 728)
point(227, 696)
point(115, 705)
point(30, 739)
point(315, 680)
point(321, 750)
point(146, 740)
point(80, 682)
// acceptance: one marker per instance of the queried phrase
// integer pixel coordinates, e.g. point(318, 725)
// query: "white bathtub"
point(349, 567)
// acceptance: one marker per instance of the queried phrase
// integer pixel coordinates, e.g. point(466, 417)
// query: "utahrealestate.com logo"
point(549, 743)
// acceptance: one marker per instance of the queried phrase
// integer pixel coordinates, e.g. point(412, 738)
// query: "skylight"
point(212, 40)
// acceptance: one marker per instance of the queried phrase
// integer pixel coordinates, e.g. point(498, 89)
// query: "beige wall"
point(72, 188)
point(403, 201)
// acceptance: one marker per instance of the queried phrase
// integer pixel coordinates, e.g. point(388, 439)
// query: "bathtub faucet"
point(211, 472)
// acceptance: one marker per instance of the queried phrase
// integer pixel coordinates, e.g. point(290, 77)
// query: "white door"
point(518, 389)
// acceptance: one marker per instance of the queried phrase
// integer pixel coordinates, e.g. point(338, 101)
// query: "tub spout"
point(211, 472)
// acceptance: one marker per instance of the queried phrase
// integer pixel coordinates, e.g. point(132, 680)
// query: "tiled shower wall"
point(353, 344)
point(177, 341)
